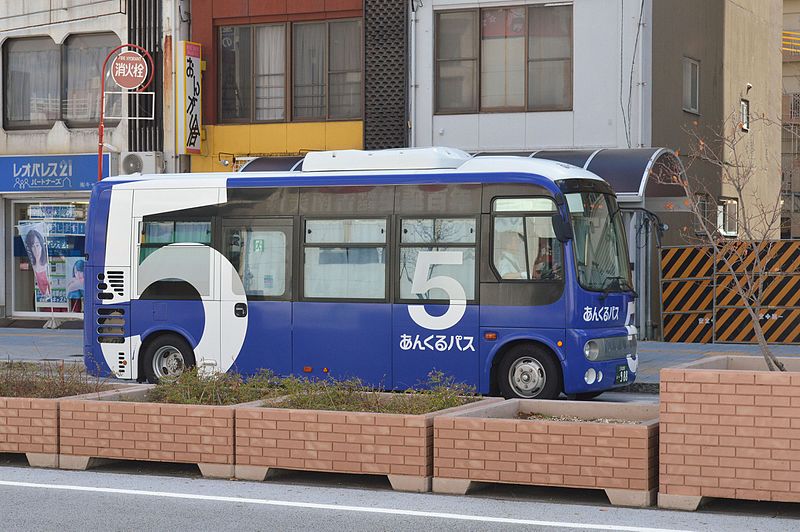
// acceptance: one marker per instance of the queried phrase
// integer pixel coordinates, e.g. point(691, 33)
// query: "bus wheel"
point(168, 356)
point(529, 372)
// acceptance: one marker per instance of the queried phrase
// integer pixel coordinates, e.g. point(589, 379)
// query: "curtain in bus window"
point(155, 235)
point(270, 72)
point(308, 65)
point(345, 272)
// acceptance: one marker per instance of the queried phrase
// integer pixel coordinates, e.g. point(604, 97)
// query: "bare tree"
point(748, 261)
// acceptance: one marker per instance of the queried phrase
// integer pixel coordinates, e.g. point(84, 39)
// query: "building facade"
point(790, 119)
point(51, 63)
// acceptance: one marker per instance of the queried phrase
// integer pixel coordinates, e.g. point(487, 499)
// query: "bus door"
point(259, 252)
point(436, 319)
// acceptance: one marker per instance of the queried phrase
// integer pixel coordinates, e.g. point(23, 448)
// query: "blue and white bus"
point(508, 273)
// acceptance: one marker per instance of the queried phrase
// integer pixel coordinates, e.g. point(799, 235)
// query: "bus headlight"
point(591, 350)
point(590, 376)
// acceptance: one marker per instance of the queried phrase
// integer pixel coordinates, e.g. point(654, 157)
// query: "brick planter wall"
point(490, 444)
point(729, 428)
point(400, 446)
point(30, 426)
point(123, 429)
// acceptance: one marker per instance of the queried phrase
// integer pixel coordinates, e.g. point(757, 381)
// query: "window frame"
point(723, 216)
point(523, 214)
point(479, 109)
point(400, 245)
point(289, 73)
point(301, 258)
point(744, 114)
point(686, 60)
point(9, 125)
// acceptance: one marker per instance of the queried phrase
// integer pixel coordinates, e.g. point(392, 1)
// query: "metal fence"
point(701, 305)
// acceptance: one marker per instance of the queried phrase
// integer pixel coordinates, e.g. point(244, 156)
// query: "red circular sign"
point(129, 70)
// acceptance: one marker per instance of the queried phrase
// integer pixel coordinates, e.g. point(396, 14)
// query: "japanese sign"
point(31, 173)
point(190, 101)
point(129, 70)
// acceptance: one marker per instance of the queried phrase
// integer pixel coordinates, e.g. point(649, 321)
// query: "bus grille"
point(110, 325)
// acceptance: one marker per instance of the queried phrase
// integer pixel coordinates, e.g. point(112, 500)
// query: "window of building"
point(45, 82)
point(31, 83)
point(325, 64)
point(691, 85)
point(445, 247)
point(83, 62)
point(794, 106)
point(745, 115)
point(728, 217)
point(524, 242)
point(48, 258)
point(509, 58)
point(345, 259)
point(703, 204)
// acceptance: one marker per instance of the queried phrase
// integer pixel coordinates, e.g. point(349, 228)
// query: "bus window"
point(345, 259)
point(259, 255)
point(525, 246)
point(431, 235)
point(157, 234)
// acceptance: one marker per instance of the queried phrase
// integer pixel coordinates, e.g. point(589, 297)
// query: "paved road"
point(35, 499)
point(46, 344)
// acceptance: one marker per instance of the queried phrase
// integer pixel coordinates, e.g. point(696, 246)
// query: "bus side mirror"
point(562, 228)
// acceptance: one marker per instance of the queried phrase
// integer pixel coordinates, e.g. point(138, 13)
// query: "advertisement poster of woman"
point(75, 284)
point(34, 237)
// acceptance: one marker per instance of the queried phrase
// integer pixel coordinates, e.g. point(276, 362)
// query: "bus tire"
point(167, 356)
point(527, 371)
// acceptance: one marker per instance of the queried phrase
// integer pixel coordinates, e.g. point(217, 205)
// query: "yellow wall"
point(274, 139)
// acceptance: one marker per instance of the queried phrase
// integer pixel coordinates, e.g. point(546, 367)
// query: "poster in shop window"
point(34, 237)
point(190, 101)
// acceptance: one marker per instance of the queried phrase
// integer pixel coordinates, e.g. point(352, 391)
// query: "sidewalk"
point(653, 356)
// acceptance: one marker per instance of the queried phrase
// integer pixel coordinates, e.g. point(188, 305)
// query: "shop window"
point(524, 59)
point(49, 263)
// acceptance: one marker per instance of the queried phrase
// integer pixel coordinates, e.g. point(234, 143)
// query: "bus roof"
point(422, 165)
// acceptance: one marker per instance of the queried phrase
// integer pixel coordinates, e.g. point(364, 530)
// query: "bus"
point(506, 273)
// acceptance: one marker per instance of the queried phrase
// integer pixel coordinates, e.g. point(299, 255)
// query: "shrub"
point(47, 380)
point(437, 393)
point(194, 388)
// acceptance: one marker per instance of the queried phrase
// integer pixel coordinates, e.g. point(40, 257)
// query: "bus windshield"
point(600, 253)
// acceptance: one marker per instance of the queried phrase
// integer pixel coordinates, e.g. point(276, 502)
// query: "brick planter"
point(30, 426)
point(729, 428)
point(491, 444)
point(399, 446)
point(114, 425)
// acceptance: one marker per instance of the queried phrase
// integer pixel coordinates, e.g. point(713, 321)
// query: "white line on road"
point(340, 508)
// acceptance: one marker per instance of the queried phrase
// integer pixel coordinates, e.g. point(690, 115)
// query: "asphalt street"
point(39, 499)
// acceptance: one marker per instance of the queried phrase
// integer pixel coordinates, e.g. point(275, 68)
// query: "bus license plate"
point(622, 375)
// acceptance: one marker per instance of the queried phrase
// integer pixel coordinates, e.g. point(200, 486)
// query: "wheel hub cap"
point(527, 377)
point(168, 362)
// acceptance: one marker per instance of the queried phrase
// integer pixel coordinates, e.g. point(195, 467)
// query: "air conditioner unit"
point(141, 162)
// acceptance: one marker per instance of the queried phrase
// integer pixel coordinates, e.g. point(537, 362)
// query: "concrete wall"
point(596, 119)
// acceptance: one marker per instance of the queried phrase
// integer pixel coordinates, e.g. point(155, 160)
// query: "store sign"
point(190, 101)
point(129, 70)
point(43, 173)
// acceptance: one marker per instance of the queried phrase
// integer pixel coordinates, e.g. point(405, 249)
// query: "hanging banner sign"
point(190, 102)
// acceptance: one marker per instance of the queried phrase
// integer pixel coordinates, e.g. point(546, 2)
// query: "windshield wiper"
point(622, 284)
